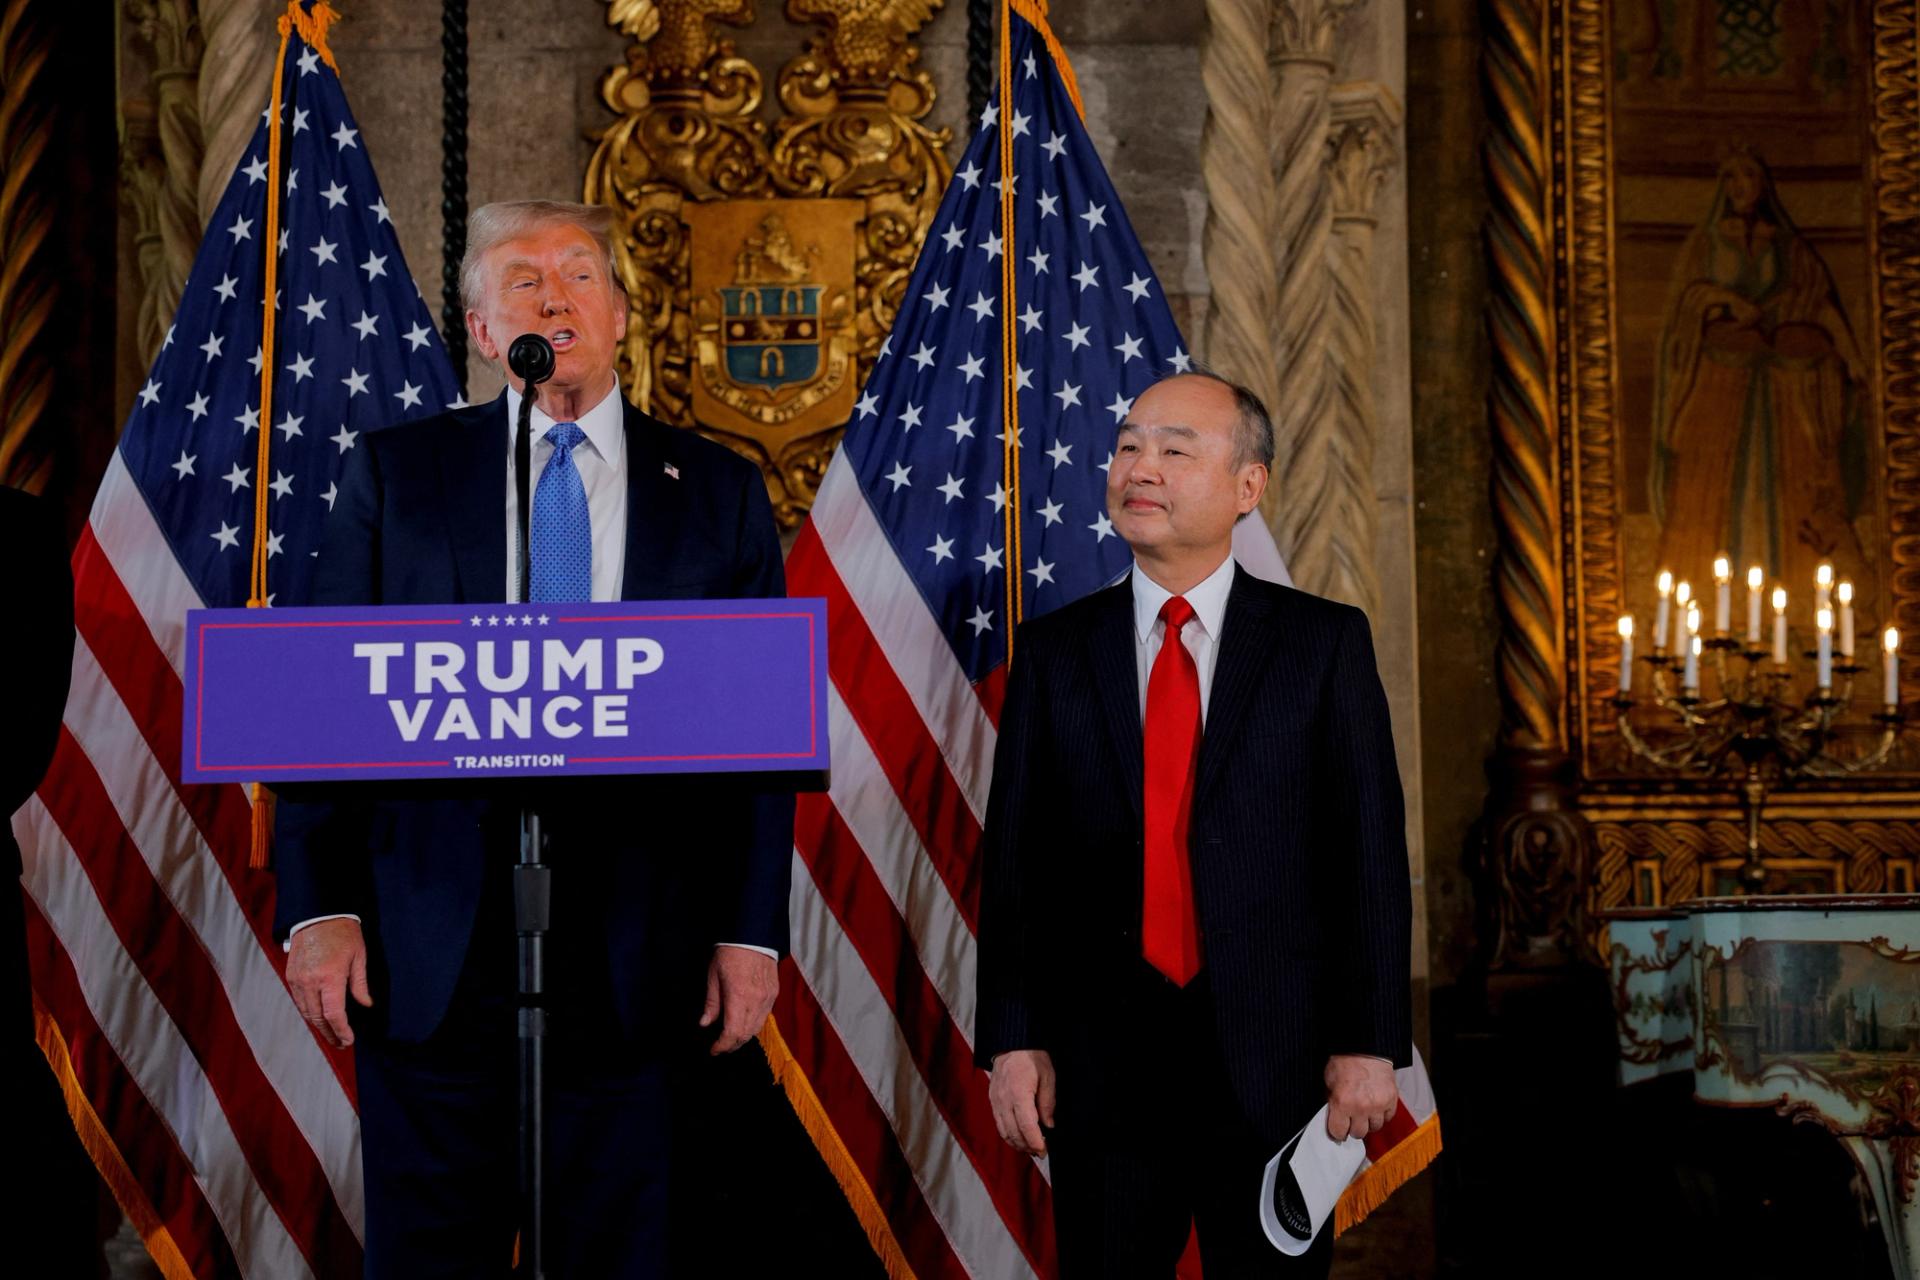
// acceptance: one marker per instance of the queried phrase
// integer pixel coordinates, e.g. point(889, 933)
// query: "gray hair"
point(1252, 429)
point(494, 224)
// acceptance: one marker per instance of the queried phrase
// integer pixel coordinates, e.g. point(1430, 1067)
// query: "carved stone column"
point(162, 170)
point(235, 73)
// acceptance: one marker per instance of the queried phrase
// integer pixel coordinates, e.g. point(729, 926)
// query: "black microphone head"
point(531, 358)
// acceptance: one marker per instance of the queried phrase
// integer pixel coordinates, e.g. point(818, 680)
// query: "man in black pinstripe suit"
point(1193, 933)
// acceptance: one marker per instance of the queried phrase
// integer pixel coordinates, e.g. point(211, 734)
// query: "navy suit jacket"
point(661, 868)
point(1296, 843)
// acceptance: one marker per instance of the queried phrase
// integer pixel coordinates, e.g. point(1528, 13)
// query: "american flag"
point(907, 543)
point(225, 1129)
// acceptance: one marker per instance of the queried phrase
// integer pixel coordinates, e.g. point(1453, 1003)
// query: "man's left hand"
point(1361, 1095)
point(741, 985)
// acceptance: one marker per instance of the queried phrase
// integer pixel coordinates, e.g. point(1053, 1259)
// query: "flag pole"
point(1009, 340)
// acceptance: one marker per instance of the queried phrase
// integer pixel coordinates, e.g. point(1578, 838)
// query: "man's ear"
point(482, 340)
point(1253, 483)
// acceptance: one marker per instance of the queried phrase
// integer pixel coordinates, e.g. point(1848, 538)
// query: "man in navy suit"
point(669, 896)
point(1195, 913)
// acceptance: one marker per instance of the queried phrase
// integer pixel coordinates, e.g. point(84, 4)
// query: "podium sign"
point(449, 691)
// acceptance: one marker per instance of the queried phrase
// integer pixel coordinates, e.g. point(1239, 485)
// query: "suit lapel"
point(1116, 675)
point(472, 476)
point(655, 502)
point(1246, 650)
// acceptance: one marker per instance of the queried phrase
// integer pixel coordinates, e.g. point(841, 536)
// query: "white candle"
point(1845, 591)
point(1823, 587)
point(1626, 654)
point(1823, 622)
point(1890, 667)
point(1722, 595)
point(1755, 576)
point(1665, 586)
point(1690, 679)
point(1780, 625)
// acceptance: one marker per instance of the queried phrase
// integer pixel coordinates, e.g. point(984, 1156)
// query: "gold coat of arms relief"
point(765, 260)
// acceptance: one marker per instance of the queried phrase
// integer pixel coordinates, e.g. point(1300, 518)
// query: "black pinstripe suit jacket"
point(1297, 845)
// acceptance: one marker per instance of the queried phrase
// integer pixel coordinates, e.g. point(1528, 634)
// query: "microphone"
point(530, 356)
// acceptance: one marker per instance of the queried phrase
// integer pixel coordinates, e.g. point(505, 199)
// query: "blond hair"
point(494, 224)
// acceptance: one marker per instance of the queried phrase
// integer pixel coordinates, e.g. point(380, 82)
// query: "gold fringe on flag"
point(106, 1157)
point(819, 1126)
point(1035, 12)
point(1387, 1175)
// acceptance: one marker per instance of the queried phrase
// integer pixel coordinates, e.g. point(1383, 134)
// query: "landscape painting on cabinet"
point(1846, 1013)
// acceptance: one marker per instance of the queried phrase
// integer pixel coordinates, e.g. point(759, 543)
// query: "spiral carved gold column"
point(162, 171)
point(26, 217)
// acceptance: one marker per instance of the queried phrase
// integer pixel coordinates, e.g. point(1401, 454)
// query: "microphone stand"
point(532, 902)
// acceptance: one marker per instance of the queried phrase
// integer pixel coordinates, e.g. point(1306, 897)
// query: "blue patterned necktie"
point(562, 534)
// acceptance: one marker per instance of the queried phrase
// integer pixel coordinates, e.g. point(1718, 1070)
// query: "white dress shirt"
point(602, 462)
point(1202, 636)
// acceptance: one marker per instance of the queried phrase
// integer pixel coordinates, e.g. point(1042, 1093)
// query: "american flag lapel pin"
point(671, 470)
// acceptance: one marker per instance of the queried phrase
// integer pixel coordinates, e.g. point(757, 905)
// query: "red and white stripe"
point(152, 950)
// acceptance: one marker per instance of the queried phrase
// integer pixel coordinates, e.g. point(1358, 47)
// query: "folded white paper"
point(1323, 1168)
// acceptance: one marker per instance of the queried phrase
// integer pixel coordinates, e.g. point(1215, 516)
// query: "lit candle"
point(1823, 622)
point(1780, 625)
point(1626, 654)
point(1722, 594)
point(1823, 587)
point(1890, 666)
point(1665, 585)
point(1845, 591)
point(1690, 679)
point(1755, 576)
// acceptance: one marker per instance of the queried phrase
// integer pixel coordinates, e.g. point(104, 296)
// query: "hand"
point(1021, 1094)
point(1361, 1095)
point(325, 962)
point(741, 985)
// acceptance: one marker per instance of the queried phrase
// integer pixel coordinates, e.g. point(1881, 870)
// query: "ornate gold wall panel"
point(765, 260)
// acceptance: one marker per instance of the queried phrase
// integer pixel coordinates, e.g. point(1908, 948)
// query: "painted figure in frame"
point(1760, 405)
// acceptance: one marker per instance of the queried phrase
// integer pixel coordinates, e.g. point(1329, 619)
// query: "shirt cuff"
point(340, 915)
point(768, 952)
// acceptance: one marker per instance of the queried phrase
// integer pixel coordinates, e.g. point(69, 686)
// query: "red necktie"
point(1169, 928)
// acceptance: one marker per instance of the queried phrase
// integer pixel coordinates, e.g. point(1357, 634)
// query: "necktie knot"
point(564, 435)
point(1176, 613)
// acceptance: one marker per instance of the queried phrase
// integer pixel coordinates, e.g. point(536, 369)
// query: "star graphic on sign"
point(150, 394)
point(493, 620)
point(225, 288)
point(543, 619)
point(1095, 216)
point(367, 326)
point(981, 306)
point(1042, 573)
point(375, 265)
point(1102, 528)
point(237, 477)
point(1039, 261)
point(989, 559)
point(1030, 318)
point(972, 367)
point(282, 484)
point(228, 537)
point(1121, 406)
point(242, 229)
point(475, 619)
point(954, 237)
point(867, 405)
point(998, 498)
point(942, 548)
point(952, 487)
point(1128, 347)
point(1068, 395)
point(969, 175)
point(344, 438)
point(333, 491)
point(1137, 287)
point(249, 420)
point(336, 195)
point(185, 465)
point(299, 120)
point(308, 61)
point(343, 138)
point(257, 171)
point(417, 336)
point(290, 425)
point(1061, 453)
point(379, 207)
point(355, 383)
point(909, 417)
point(899, 476)
point(512, 621)
point(274, 541)
point(924, 356)
point(408, 396)
point(313, 309)
point(982, 620)
point(301, 368)
point(992, 245)
point(1180, 360)
point(961, 426)
point(936, 296)
point(1088, 276)
point(212, 346)
point(198, 406)
point(1053, 146)
point(1050, 512)
point(526, 620)
point(1077, 336)
point(323, 252)
point(1049, 205)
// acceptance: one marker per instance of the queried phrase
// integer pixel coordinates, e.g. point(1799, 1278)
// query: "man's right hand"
point(1021, 1093)
point(325, 962)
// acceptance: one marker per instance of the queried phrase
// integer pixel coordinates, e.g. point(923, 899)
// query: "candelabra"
point(1755, 732)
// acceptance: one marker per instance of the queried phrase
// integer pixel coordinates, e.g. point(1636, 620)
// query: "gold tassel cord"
point(1387, 1175)
point(1009, 340)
